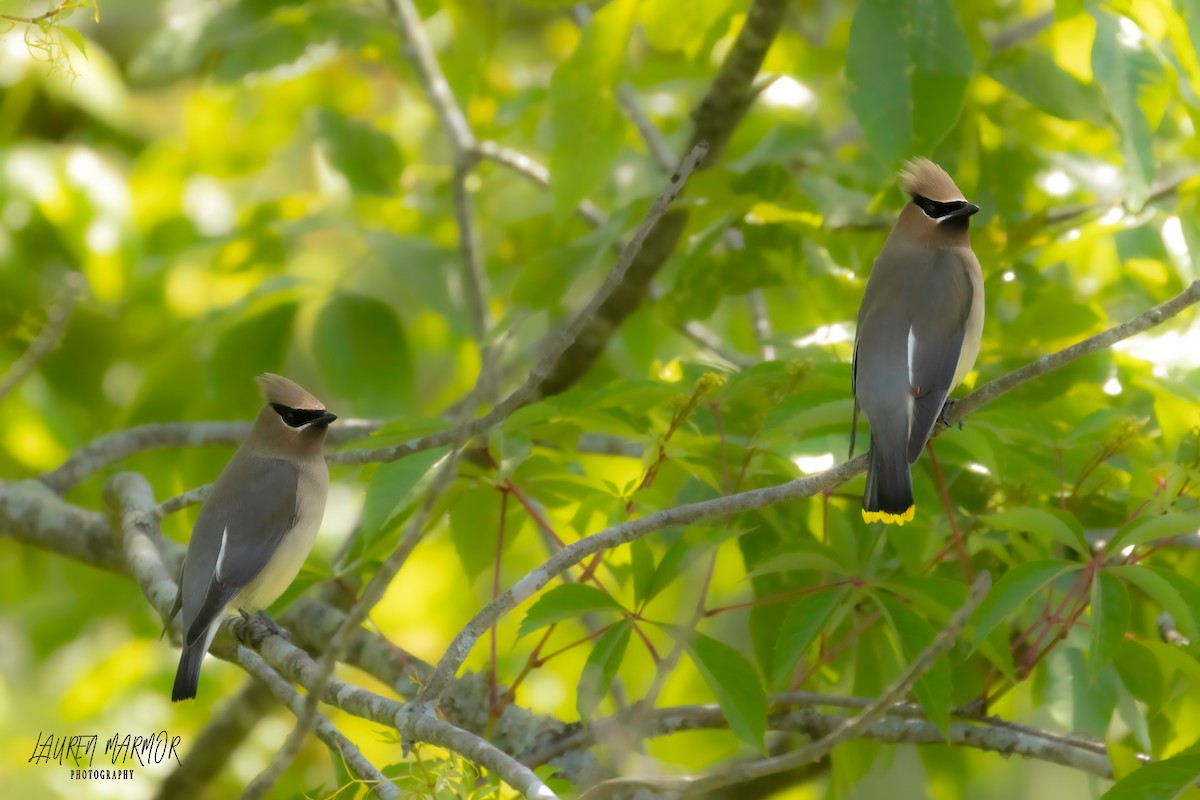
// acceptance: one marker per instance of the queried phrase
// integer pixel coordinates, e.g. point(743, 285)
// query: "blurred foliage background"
point(264, 186)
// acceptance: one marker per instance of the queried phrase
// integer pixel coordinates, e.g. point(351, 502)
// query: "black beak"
point(967, 210)
point(325, 418)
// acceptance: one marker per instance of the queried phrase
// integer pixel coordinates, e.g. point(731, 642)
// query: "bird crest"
point(923, 178)
point(279, 390)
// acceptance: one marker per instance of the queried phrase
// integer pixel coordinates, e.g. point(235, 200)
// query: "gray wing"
point(935, 342)
point(251, 507)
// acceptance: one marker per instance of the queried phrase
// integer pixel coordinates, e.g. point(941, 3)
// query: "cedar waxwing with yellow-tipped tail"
point(258, 523)
point(918, 334)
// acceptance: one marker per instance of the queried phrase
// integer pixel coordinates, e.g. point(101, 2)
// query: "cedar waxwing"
point(258, 523)
point(918, 334)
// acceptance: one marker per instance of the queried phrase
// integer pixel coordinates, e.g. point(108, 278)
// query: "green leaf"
point(256, 343)
point(393, 489)
point(76, 38)
point(1110, 617)
point(668, 30)
point(694, 543)
point(1158, 780)
point(1162, 590)
point(1013, 590)
point(262, 47)
point(365, 155)
point(734, 681)
point(803, 622)
point(363, 352)
point(934, 687)
point(937, 599)
point(800, 555)
point(1032, 74)
point(908, 65)
point(474, 526)
point(564, 602)
point(1148, 529)
point(643, 570)
point(1133, 82)
point(601, 667)
point(1093, 694)
point(1062, 527)
point(587, 127)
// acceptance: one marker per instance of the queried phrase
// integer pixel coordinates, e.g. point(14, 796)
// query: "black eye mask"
point(938, 210)
point(297, 417)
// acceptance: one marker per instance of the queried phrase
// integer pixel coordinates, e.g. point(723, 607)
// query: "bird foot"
point(944, 418)
point(263, 625)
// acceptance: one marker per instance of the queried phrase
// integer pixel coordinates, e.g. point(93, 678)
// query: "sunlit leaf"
point(1160, 780)
point(394, 488)
point(564, 602)
point(803, 622)
point(915, 634)
point(378, 379)
point(1110, 617)
point(365, 155)
point(601, 667)
point(1060, 527)
point(1014, 589)
point(1149, 529)
point(732, 678)
point(908, 64)
point(1132, 80)
point(587, 126)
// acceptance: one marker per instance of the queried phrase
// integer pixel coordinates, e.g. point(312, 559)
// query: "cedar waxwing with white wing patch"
point(918, 334)
point(258, 524)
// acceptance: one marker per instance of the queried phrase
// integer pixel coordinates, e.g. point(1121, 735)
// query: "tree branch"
point(420, 51)
point(1026, 29)
point(1065, 214)
point(717, 116)
point(808, 486)
point(898, 730)
point(51, 334)
point(32, 514)
point(114, 447)
point(1006, 383)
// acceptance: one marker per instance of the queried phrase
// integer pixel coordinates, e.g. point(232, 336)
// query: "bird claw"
point(943, 418)
point(264, 624)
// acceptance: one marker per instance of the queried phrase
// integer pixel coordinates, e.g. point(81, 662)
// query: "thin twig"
point(53, 12)
point(420, 50)
point(50, 335)
point(846, 730)
point(339, 746)
point(762, 323)
point(475, 281)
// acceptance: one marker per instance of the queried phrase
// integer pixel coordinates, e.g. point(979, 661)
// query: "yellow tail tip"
point(888, 518)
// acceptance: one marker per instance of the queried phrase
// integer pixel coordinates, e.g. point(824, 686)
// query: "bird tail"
point(187, 677)
point(888, 497)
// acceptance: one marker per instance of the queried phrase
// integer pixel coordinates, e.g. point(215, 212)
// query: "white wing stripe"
point(912, 349)
point(221, 554)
